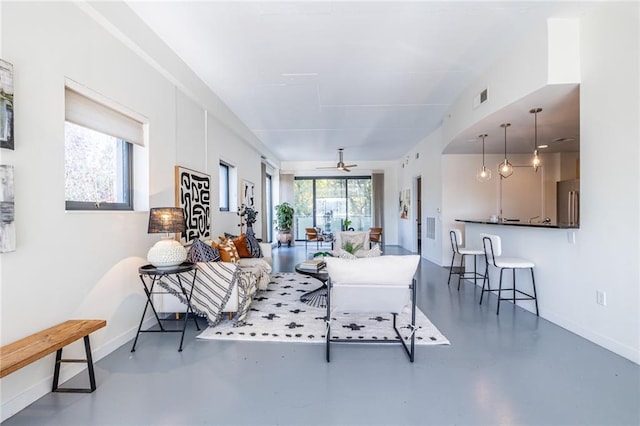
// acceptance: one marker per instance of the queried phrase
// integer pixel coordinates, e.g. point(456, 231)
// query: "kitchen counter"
point(513, 223)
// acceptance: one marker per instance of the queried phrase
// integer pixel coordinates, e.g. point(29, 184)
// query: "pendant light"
point(505, 168)
point(484, 174)
point(536, 160)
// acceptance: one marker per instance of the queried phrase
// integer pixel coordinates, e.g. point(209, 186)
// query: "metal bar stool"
point(456, 245)
point(493, 254)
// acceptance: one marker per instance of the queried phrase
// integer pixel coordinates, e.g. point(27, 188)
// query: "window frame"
point(226, 186)
point(126, 158)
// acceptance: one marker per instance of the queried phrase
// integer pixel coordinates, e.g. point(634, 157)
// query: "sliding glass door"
point(327, 202)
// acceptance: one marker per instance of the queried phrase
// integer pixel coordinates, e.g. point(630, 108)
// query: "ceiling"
point(373, 78)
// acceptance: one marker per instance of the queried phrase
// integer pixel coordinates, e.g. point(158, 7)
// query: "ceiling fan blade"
point(330, 167)
point(351, 165)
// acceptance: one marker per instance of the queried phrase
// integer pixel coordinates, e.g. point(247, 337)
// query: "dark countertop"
point(512, 223)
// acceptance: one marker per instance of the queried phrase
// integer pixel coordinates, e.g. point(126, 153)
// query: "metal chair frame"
point(409, 349)
point(462, 274)
point(499, 290)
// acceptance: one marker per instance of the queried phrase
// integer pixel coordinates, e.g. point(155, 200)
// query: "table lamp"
point(167, 252)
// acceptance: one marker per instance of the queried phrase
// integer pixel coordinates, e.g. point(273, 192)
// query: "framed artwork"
point(248, 194)
point(405, 203)
point(7, 209)
point(193, 194)
point(6, 105)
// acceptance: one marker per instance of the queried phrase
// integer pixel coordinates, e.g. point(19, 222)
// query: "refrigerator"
point(568, 202)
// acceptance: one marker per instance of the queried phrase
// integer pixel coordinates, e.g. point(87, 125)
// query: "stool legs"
point(453, 258)
point(533, 297)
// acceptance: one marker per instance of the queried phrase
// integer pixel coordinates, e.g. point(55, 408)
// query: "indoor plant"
point(284, 222)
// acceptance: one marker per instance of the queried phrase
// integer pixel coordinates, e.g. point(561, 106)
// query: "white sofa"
point(359, 237)
point(260, 267)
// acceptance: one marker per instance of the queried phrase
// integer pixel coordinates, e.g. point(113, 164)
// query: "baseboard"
point(40, 389)
point(607, 343)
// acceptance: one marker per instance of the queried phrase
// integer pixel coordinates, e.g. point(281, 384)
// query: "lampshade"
point(505, 168)
point(536, 159)
point(483, 174)
point(166, 220)
point(167, 252)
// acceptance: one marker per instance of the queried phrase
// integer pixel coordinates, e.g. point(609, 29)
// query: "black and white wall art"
point(193, 194)
point(6, 105)
point(7, 225)
point(248, 194)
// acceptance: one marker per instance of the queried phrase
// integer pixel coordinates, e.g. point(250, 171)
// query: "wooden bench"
point(23, 352)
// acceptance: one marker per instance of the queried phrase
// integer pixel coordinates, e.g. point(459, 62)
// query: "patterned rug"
point(278, 315)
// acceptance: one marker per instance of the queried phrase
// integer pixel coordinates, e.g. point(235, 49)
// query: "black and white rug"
point(278, 315)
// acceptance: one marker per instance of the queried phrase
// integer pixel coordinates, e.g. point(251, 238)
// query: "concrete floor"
point(512, 369)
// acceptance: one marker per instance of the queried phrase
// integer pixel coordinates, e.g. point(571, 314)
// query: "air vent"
point(431, 228)
point(481, 98)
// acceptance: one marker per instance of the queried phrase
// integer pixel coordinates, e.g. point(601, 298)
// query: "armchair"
point(382, 284)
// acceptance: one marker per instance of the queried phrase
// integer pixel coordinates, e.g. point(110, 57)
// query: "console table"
point(150, 275)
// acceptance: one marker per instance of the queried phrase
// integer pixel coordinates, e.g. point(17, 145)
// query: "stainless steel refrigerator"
point(568, 202)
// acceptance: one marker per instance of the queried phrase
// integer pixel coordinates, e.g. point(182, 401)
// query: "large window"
point(224, 187)
point(98, 154)
point(327, 202)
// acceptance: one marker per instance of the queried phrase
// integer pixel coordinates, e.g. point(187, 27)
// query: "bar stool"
point(456, 242)
point(492, 245)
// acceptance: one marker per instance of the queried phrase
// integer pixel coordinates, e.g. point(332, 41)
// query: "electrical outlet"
point(601, 298)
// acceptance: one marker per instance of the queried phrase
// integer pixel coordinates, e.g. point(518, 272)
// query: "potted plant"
point(284, 223)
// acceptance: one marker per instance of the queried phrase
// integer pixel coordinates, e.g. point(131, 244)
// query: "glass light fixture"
point(505, 168)
point(536, 159)
point(484, 174)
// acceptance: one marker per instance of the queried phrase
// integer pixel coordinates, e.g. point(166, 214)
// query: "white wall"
point(84, 264)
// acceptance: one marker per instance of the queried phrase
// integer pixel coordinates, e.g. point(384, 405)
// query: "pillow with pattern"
point(228, 252)
point(253, 245)
point(374, 252)
point(201, 252)
point(346, 255)
point(241, 245)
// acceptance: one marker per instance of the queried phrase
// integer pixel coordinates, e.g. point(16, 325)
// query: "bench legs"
point(89, 361)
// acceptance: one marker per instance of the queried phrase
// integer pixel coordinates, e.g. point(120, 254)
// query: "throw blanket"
point(261, 267)
point(213, 286)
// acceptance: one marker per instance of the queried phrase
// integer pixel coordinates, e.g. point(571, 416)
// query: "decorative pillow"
point(201, 252)
point(241, 245)
point(374, 252)
point(253, 245)
point(228, 251)
point(356, 240)
point(346, 255)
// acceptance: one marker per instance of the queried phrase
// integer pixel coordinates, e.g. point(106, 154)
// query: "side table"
point(150, 275)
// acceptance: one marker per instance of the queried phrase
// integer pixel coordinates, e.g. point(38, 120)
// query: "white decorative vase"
point(167, 253)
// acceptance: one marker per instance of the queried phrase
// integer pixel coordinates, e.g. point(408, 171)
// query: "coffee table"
point(317, 297)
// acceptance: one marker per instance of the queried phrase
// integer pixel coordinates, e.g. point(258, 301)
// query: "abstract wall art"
point(6, 105)
point(193, 194)
point(7, 208)
point(405, 203)
point(248, 194)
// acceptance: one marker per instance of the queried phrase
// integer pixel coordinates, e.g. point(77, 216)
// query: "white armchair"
point(372, 285)
point(356, 238)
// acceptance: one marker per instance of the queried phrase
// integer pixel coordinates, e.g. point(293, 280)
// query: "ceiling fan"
point(340, 165)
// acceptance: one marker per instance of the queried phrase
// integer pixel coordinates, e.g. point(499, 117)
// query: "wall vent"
point(481, 98)
point(431, 228)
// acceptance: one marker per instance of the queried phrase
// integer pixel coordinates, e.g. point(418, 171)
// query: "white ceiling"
point(372, 77)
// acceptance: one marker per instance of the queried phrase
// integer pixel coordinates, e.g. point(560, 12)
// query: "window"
point(97, 170)
point(269, 204)
point(327, 202)
point(224, 187)
point(98, 155)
